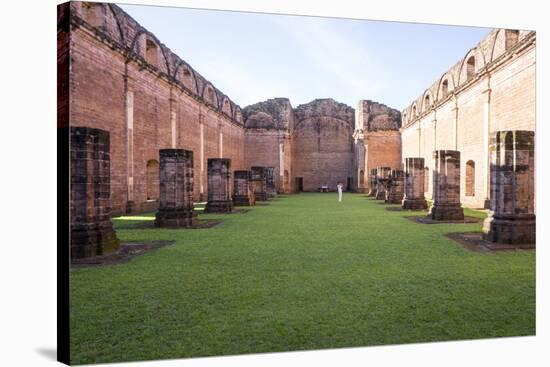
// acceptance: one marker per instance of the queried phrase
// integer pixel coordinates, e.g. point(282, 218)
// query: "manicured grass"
point(303, 272)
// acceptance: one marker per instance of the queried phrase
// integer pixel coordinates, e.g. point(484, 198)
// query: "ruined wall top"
point(490, 51)
point(326, 107)
point(374, 116)
point(121, 32)
point(275, 113)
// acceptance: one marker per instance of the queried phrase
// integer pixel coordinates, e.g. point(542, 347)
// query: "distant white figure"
point(340, 187)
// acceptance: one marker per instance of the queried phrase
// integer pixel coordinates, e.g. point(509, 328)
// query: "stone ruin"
point(372, 182)
point(270, 182)
point(243, 189)
point(511, 218)
point(92, 232)
point(176, 189)
point(414, 185)
point(219, 186)
point(446, 186)
point(382, 178)
point(259, 183)
point(395, 192)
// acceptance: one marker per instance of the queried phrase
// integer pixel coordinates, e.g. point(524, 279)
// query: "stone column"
point(219, 189)
point(259, 183)
point(396, 187)
point(372, 182)
point(243, 189)
point(176, 189)
point(92, 232)
point(511, 219)
point(270, 182)
point(446, 186)
point(414, 184)
point(382, 177)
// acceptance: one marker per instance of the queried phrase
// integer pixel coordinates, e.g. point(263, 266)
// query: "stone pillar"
point(259, 183)
point(396, 187)
point(414, 184)
point(372, 182)
point(243, 189)
point(511, 219)
point(446, 186)
point(382, 177)
point(176, 189)
point(270, 182)
point(92, 232)
point(219, 189)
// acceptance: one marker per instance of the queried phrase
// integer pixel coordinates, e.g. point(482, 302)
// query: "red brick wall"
point(500, 96)
point(323, 144)
point(101, 76)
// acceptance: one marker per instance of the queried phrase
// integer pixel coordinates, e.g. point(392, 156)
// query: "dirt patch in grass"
point(199, 224)
point(239, 211)
point(125, 253)
point(474, 241)
point(428, 220)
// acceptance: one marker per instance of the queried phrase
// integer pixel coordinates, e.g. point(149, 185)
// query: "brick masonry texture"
point(219, 186)
point(414, 184)
point(155, 100)
point(491, 89)
point(116, 76)
point(395, 192)
point(176, 189)
point(382, 179)
point(512, 215)
point(92, 232)
point(243, 189)
point(446, 184)
point(259, 183)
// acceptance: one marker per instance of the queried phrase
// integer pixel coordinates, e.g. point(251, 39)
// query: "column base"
point(224, 206)
point(380, 195)
point(394, 198)
point(446, 212)
point(239, 200)
point(260, 196)
point(93, 240)
point(512, 231)
point(175, 218)
point(414, 204)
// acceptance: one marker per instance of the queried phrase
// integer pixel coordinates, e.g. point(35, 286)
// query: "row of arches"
point(475, 60)
point(140, 43)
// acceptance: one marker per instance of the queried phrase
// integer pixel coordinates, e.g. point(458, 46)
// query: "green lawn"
point(303, 272)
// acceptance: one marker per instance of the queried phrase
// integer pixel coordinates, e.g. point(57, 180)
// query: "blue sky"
point(253, 57)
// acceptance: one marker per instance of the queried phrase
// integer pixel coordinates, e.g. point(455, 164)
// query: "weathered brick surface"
point(395, 192)
point(219, 186)
point(270, 188)
point(446, 182)
point(499, 95)
point(512, 215)
point(176, 189)
point(92, 232)
point(259, 183)
point(414, 184)
point(382, 179)
point(243, 189)
point(152, 104)
point(323, 144)
point(269, 141)
point(377, 128)
point(372, 182)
